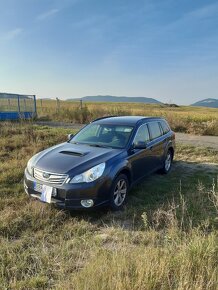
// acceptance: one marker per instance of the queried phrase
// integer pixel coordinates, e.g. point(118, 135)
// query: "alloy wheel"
point(120, 192)
point(168, 161)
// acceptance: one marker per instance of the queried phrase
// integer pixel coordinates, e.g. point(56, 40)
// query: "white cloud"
point(11, 34)
point(204, 12)
point(47, 14)
point(207, 11)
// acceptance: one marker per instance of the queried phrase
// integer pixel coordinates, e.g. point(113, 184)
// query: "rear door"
point(157, 143)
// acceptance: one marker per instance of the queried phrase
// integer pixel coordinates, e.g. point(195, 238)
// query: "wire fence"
point(16, 106)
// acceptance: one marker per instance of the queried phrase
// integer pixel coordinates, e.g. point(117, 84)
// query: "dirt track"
point(205, 141)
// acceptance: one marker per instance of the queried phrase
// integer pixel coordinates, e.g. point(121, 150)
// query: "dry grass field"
point(165, 238)
point(194, 120)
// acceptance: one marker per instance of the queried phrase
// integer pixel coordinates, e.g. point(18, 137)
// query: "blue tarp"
point(16, 115)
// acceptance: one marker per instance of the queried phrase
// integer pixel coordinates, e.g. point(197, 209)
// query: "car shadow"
point(154, 192)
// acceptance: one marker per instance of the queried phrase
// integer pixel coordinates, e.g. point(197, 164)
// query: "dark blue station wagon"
point(99, 164)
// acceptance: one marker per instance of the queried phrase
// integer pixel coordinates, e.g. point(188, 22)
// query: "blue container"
point(4, 116)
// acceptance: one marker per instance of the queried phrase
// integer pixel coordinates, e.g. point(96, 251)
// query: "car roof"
point(125, 120)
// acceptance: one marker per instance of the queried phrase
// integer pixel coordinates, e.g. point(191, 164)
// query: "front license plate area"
point(45, 190)
point(37, 187)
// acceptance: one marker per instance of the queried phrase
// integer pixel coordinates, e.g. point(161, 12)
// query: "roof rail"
point(103, 118)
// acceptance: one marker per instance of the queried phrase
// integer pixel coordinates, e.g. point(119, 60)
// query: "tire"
point(119, 192)
point(167, 162)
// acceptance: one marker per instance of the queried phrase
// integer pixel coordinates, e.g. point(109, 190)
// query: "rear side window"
point(154, 129)
point(142, 135)
point(165, 126)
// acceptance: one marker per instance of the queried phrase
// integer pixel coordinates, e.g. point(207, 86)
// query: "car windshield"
point(104, 135)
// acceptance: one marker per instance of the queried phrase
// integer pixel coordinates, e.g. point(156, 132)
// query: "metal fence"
point(15, 106)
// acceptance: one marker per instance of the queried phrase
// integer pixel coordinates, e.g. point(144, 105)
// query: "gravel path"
point(205, 141)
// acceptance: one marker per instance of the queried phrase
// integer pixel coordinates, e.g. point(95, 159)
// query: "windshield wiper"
point(73, 142)
point(99, 145)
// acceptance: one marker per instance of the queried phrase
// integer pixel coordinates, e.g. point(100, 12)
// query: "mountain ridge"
point(115, 99)
point(209, 103)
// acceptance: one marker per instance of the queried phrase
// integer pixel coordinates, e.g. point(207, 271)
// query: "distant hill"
point(114, 99)
point(46, 99)
point(211, 103)
point(12, 96)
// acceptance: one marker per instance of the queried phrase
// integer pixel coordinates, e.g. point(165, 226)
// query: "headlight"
point(30, 166)
point(31, 163)
point(89, 175)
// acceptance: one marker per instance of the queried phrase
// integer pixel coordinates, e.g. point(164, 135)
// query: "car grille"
point(53, 178)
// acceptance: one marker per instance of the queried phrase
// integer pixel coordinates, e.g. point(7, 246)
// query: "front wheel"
point(167, 162)
point(119, 192)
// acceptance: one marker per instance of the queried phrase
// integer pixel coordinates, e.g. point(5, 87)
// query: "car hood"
point(71, 158)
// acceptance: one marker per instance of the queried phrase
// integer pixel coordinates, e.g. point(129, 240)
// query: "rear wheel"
point(119, 192)
point(167, 162)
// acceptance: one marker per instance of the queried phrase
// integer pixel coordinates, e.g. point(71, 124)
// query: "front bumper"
point(69, 196)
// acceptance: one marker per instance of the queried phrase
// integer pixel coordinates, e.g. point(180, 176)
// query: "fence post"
point(9, 104)
point(18, 103)
point(41, 104)
point(24, 104)
point(57, 105)
point(35, 110)
point(81, 104)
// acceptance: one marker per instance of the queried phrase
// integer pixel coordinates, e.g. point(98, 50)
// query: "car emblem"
point(45, 175)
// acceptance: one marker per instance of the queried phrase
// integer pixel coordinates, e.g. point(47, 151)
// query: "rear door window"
point(165, 126)
point(154, 130)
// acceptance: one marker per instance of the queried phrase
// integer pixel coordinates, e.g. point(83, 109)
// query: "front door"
point(141, 160)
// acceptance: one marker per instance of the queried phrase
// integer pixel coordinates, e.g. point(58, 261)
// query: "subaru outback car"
point(99, 164)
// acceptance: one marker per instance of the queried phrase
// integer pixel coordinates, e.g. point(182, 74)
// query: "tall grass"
point(202, 121)
point(166, 237)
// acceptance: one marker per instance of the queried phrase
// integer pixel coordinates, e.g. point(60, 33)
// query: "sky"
point(163, 49)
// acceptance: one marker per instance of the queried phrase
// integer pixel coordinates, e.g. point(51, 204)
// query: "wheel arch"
point(126, 171)
point(171, 149)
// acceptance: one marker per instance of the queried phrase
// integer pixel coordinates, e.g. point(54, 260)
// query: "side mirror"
point(139, 145)
point(69, 137)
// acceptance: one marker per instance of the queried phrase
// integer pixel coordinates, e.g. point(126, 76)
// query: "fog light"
point(54, 192)
point(87, 202)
